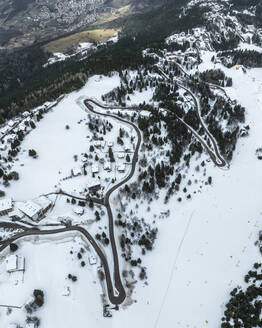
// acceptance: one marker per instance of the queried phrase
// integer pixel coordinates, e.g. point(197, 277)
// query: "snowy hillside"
point(135, 201)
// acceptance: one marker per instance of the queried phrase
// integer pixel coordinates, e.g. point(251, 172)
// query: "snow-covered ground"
point(55, 145)
point(48, 264)
point(207, 245)
point(203, 249)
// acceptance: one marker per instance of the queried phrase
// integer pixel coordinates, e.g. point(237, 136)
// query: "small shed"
point(97, 143)
point(121, 155)
point(92, 260)
point(95, 187)
point(76, 171)
point(44, 202)
point(95, 168)
point(15, 263)
point(6, 206)
point(79, 210)
point(107, 166)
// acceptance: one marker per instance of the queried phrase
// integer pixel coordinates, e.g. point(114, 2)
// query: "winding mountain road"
point(215, 155)
point(116, 290)
point(120, 295)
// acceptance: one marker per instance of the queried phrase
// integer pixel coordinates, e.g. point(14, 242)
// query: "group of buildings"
point(32, 209)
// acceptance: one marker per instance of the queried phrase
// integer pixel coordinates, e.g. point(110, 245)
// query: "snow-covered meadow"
point(55, 145)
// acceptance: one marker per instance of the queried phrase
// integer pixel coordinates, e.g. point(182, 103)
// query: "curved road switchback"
point(116, 291)
point(90, 108)
point(215, 156)
point(33, 232)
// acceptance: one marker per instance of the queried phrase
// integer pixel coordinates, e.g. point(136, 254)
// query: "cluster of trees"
point(216, 76)
point(250, 58)
point(72, 277)
point(158, 176)
point(245, 306)
point(226, 43)
point(37, 302)
point(7, 177)
point(233, 114)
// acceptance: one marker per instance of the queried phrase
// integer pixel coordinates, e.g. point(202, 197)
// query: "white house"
point(15, 263)
point(3, 147)
point(110, 144)
point(92, 260)
point(127, 149)
point(121, 168)
point(4, 130)
point(30, 209)
point(95, 168)
point(107, 166)
point(121, 155)
point(79, 210)
point(76, 171)
point(6, 206)
point(25, 114)
point(44, 202)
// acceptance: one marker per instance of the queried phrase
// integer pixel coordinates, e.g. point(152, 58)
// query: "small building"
point(79, 210)
point(30, 209)
point(11, 123)
point(3, 147)
point(110, 144)
point(44, 202)
point(15, 215)
point(97, 143)
point(94, 188)
point(121, 155)
point(95, 168)
point(121, 168)
point(107, 166)
point(6, 206)
point(15, 263)
point(30, 325)
point(25, 114)
point(92, 260)
point(76, 171)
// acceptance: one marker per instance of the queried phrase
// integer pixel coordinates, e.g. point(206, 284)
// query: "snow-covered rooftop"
point(5, 204)
point(43, 202)
point(29, 208)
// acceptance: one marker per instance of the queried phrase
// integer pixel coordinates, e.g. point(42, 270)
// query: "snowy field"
point(47, 265)
point(55, 145)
